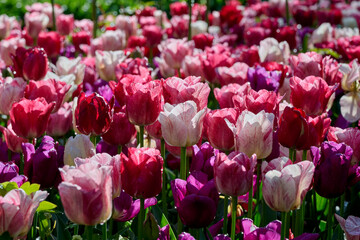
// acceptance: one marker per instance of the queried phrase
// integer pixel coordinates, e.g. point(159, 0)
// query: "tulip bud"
point(35, 64)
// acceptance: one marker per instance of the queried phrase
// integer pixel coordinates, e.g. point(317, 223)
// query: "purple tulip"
point(9, 173)
point(125, 208)
point(195, 199)
point(42, 165)
point(185, 236)
point(259, 78)
point(203, 159)
point(332, 167)
point(222, 237)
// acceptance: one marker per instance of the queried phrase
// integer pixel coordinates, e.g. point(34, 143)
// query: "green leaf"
point(60, 222)
point(151, 229)
point(163, 220)
point(30, 188)
point(326, 51)
point(322, 225)
point(6, 187)
point(45, 206)
point(321, 203)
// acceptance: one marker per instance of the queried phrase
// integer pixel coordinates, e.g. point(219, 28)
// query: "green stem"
point(298, 222)
point(183, 164)
point(164, 190)
point(93, 139)
point(250, 210)
point(258, 181)
point(94, 17)
point(179, 72)
point(33, 230)
point(53, 14)
point(226, 203)
point(21, 167)
point(233, 216)
point(179, 226)
point(151, 53)
point(287, 12)
point(330, 218)
point(111, 226)
point(89, 232)
point(76, 229)
point(304, 155)
point(104, 231)
point(141, 219)
point(141, 136)
point(284, 227)
point(209, 236)
point(9, 155)
point(120, 149)
point(190, 15)
point(342, 205)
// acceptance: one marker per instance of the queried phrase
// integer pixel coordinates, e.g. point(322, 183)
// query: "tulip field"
point(165, 120)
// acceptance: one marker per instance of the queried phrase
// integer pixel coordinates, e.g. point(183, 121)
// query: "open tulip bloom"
point(180, 120)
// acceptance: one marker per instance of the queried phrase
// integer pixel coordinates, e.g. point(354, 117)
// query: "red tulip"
point(143, 102)
point(51, 42)
point(79, 38)
point(51, 90)
point(93, 114)
point(29, 118)
point(203, 40)
point(141, 172)
point(121, 131)
point(153, 35)
point(35, 64)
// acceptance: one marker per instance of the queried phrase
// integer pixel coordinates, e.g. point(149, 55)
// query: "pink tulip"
point(29, 118)
point(312, 94)
point(78, 146)
point(285, 189)
point(181, 124)
point(104, 159)
point(106, 62)
point(66, 66)
point(233, 174)
point(86, 193)
point(254, 133)
point(128, 24)
point(17, 211)
point(11, 90)
point(35, 22)
point(51, 90)
point(217, 131)
point(225, 95)
point(351, 226)
point(237, 73)
point(8, 48)
point(175, 50)
point(113, 40)
point(6, 23)
point(192, 66)
point(177, 91)
point(12, 140)
point(60, 122)
point(306, 64)
point(143, 102)
point(65, 24)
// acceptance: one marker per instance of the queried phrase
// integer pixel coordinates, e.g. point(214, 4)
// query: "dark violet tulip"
point(42, 165)
point(185, 236)
point(9, 172)
point(203, 159)
point(195, 199)
point(125, 208)
point(259, 78)
point(332, 168)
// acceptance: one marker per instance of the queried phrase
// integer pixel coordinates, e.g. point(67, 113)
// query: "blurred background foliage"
point(82, 8)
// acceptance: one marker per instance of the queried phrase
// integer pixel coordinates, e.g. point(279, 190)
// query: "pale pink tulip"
point(8, 48)
point(175, 50)
point(113, 40)
point(351, 227)
point(106, 62)
point(237, 73)
point(78, 146)
point(11, 90)
point(181, 124)
point(225, 95)
point(271, 50)
point(66, 66)
point(86, 193)
point(35, 22)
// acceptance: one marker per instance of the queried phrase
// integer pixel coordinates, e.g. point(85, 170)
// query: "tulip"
point(306, 64)
point(121, 131)
point(195, 199)
point(285, 189)
point(203, 159)
point(60, 122)
point(181, 124)
point(65, 24)
point(312, 94)
point(143, 102)
point(349, 136)
point(125, 208)
point(225, 95)
point(51, 42)
point(153, 35)
point(66, 66)
point(262, 100)
point(113, 40)
point(254, 133)
point(141, 172)
point(177, 91)
point(237, 73)
point(91, 186)
point(35, 65)
point(271, 50)
point(104, 159)
point(217, 131)
point(51, 90)
point(35, 22)
point(9, 172)
point(12, 140)
point(203, 40)
point(29, 118)
point(127, 23)
point(174, 51)
point(93, 114)
point(8, 48)
point(18, 210)
point(106, 62)
point(80, 38)
point(11, 90)
point(42, 165)
point(260, 78)
point(233, 174)
point(78, 146)
point(191, 66)
point(333, 162)
point(350, 226)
